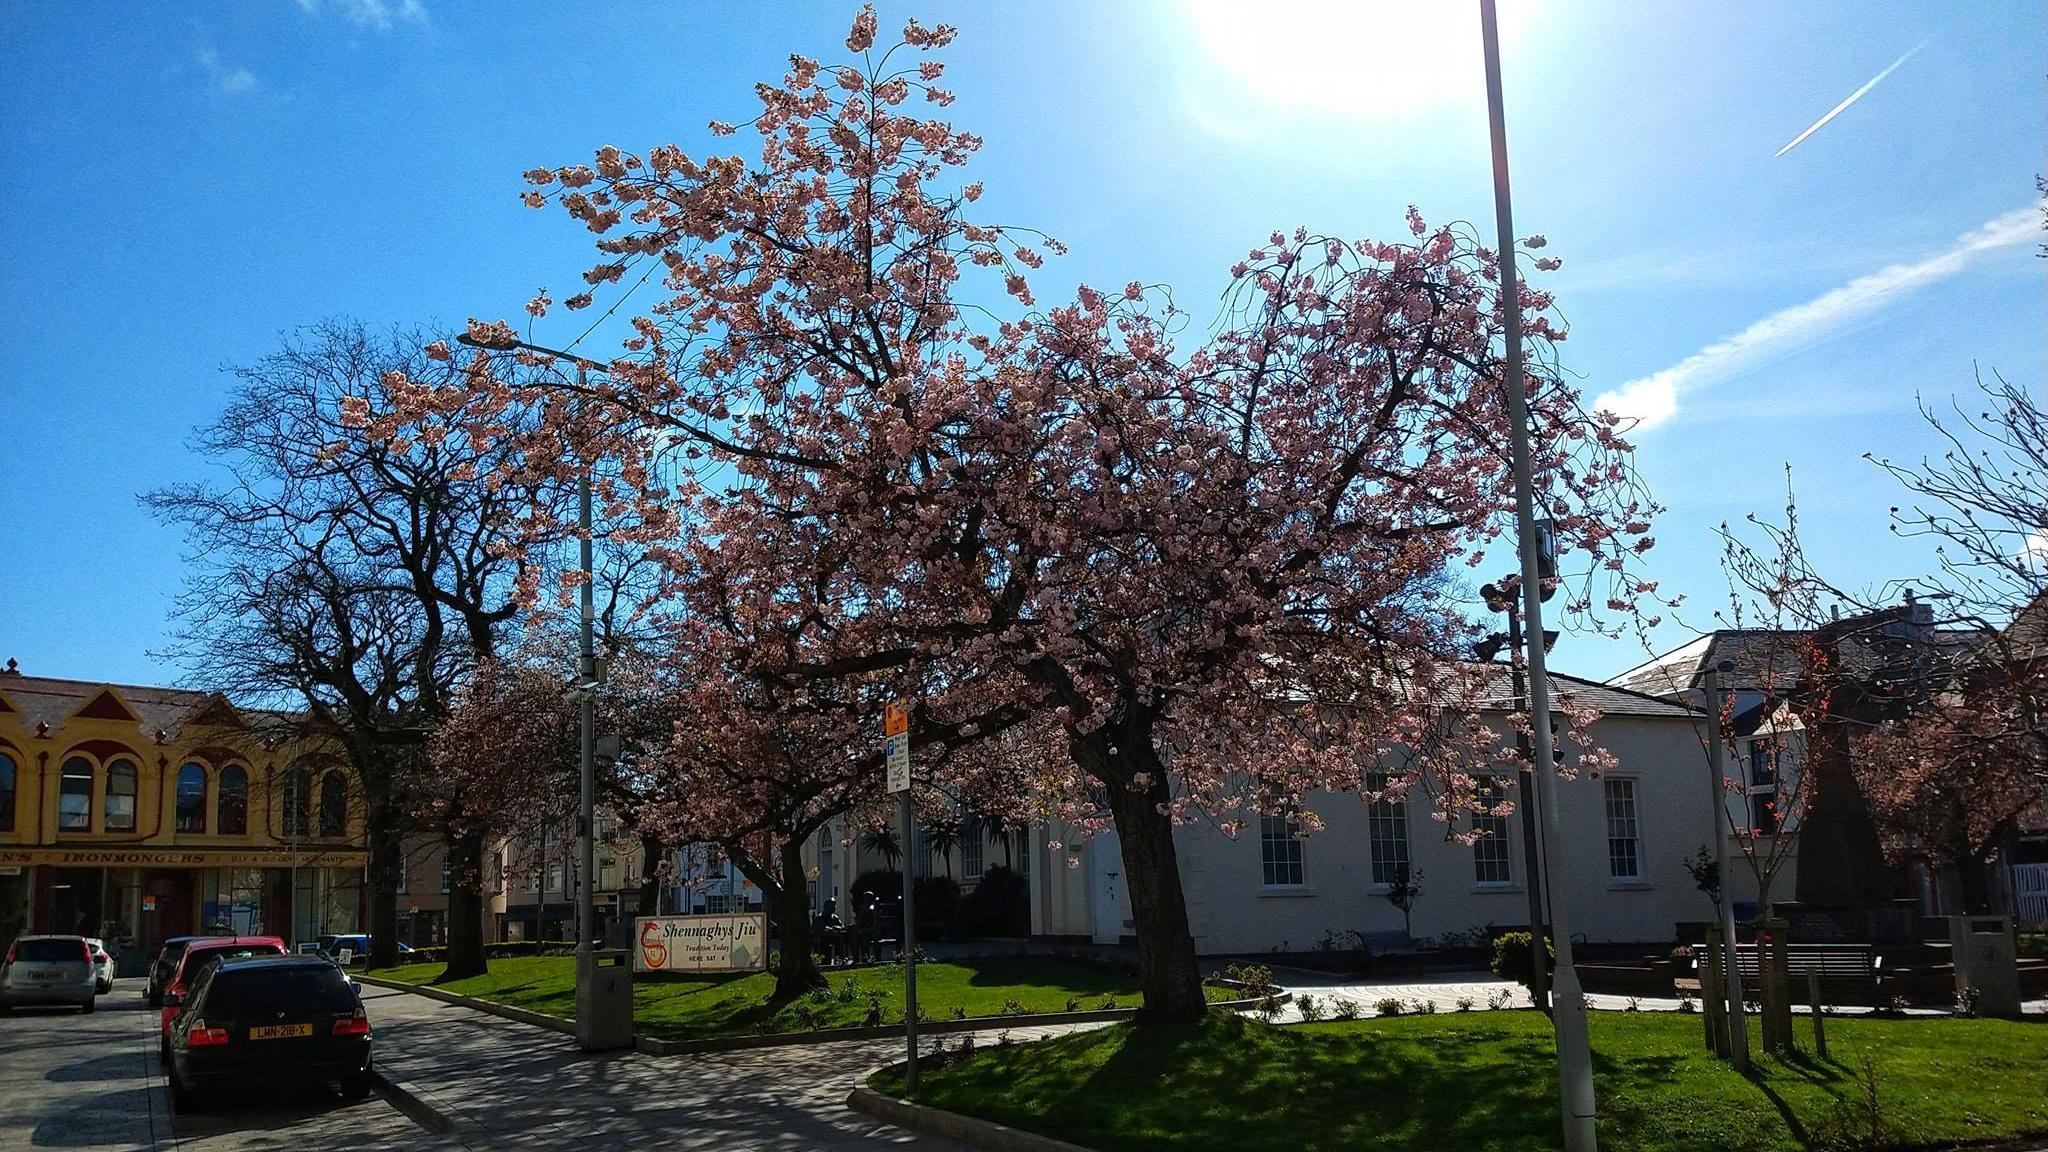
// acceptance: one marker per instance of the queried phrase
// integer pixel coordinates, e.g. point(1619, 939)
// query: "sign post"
point(896, 751)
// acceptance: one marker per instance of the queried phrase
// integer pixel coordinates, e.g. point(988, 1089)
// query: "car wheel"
point(184, 1099)
point(163, 1051)
point(355, 1087)
point(104, 987)
point(89, 1005)
point(155, 999)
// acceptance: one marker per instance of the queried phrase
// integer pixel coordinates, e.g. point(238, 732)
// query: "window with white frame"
point(447, 875)
point(1387, 827)
point(1280, 852)
point(554, 877)
point(1491, 861)
point(1624, 841)
point(973, 855)
point(1762, 785)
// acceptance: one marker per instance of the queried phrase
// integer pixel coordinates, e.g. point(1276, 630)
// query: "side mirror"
point(356, 986)
point(173, 999)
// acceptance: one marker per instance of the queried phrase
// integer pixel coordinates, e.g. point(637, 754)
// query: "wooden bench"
point(1848, 972)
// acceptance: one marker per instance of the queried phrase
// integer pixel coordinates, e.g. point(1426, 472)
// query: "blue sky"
point(190, 180)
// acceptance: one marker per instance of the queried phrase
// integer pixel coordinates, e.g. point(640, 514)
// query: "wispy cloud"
point(1853, 97)
point(381, 15)
point(1651, 400)
point(223, 76)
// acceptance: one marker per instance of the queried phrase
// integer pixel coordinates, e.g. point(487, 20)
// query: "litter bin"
point(1986, 963)
point(604, 999)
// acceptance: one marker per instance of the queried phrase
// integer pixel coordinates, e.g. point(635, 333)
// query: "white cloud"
point(225, 77)
point(1651, 400)
point(380, 15)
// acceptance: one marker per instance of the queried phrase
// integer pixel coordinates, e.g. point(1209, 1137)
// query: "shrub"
point(1465, 1003)
point(959, 1013)
point(1423, 1007)
point(1967, 1000)
point(1311, 1008)
point(1634, 1005)
point(1015, 1008)
point(1686, 1003)
point(1512, 957)
point(999, 906)
point(1344, 1009)
point(1269, 1008)
point(1391, 1006)
point(1073, 1003)
point(1500, 999)
point(847, 991)
point(875, 1012)
point(1256, 978)
point(1108, 1004)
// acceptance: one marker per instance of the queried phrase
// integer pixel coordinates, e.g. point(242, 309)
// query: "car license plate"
point(42, 977)
point(280, 1031)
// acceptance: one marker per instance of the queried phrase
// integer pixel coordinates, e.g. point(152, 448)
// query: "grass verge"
point(1488, 1081)
point(686, 1007)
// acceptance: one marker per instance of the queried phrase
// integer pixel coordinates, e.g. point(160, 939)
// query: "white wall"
point(1230, 910)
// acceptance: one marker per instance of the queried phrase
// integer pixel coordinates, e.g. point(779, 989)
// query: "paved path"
point(514, 1086)
point(93, 1082)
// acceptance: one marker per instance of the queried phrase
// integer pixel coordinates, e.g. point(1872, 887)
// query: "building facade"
point(138, 813)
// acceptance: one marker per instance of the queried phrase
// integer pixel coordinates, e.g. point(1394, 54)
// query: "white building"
point(1626, 838)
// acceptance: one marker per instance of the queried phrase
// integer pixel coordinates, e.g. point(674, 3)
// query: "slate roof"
point(1766, 659)
point(51, 700)
point(1610, 699)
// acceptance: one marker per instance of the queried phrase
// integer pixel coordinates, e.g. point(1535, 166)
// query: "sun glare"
point(1349, 58)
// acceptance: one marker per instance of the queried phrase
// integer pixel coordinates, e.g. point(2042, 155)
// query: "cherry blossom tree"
point(1204, 579)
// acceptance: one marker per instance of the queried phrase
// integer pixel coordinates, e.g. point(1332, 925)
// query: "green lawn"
point(676, 1006)
point(1487, 1080)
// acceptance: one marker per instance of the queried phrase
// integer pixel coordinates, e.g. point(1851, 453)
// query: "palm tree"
point(942, 840)
point(885, 843)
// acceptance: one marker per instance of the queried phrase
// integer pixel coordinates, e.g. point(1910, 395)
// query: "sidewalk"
point(514, 1086)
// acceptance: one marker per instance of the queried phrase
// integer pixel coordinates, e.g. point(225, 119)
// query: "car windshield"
point(280, 990)
point(216, 955)
point(48, 951)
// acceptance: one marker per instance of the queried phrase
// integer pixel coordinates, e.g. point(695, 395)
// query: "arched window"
point(192, 798)
point(333, 804)
point(120, 802)
point(297, 786)
point(6, 792)
point(74, 796)
point(232, 799)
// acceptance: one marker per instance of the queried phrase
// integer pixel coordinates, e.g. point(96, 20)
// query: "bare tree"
point(409, 534)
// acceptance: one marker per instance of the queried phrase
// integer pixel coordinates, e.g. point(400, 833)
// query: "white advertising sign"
point(716, 943)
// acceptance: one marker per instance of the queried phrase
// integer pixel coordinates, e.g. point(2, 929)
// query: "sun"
point(1349, 58)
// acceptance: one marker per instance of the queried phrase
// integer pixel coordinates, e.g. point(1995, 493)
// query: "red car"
point(197, 956)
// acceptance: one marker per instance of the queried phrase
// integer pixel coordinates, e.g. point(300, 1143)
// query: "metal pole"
point(1568, 1015)
point(1738, 1028)
point(292, 821)
point(1532, 852)
point(909, 941)
point(586, 670)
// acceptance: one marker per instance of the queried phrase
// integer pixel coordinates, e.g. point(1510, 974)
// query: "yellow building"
point(135, 813)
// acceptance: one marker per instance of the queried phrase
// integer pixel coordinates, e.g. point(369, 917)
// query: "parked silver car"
point(48, 970)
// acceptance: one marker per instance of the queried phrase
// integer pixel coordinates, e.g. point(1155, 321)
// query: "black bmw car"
point(268, 1019)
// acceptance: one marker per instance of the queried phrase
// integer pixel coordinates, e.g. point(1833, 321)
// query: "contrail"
point(1853, 97)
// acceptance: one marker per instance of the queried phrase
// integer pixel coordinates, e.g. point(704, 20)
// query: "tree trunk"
point(387, 851)
point(798, 972)
point(650, 876)
point(465, 907)
point(1166, 950)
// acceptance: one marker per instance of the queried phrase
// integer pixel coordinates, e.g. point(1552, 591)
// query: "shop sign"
point(715, 943)
point(173, 858)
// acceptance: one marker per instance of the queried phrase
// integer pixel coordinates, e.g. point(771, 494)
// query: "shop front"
point(134, 899)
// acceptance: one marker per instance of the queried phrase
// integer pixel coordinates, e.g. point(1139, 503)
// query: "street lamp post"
point(586, 685)
point(1568, 1015)
point(1501, 598)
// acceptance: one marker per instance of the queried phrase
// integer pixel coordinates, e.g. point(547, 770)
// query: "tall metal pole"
point(1738, 1028)
point(1568, 1015)
point(1532, 847)
point(909, 940)
point(586, 671)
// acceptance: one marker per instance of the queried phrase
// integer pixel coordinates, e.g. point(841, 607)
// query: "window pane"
point(333, 804)
point(1490, 861)
point(74, 796)
point(1387, 821)
point(6, 793)
point(233, 817)
point(192, 798)
point(1624, 852)
point(1279, 852)
point(120, 807)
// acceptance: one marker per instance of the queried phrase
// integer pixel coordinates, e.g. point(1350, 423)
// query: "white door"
point(1107, 899)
